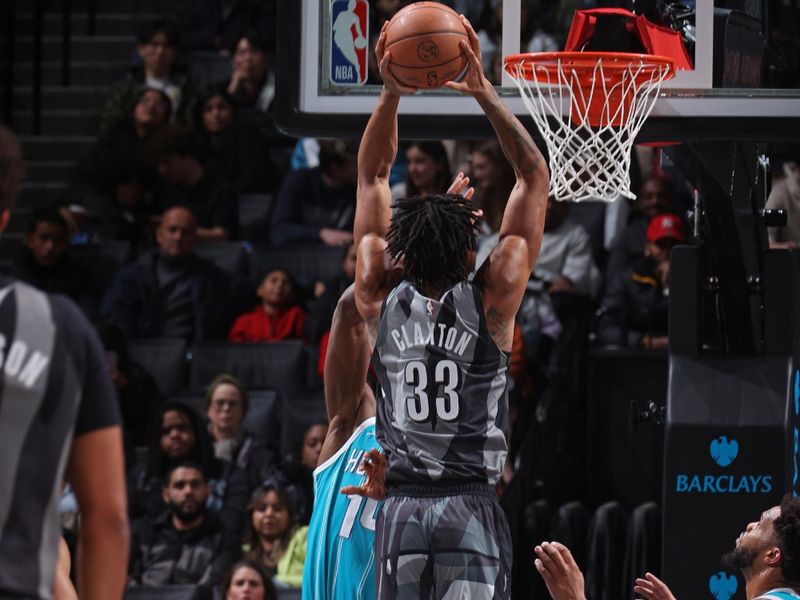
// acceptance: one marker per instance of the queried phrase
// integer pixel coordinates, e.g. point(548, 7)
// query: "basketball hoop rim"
point(584, 63)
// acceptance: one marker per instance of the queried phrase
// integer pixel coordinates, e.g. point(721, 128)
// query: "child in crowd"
point(276, 318)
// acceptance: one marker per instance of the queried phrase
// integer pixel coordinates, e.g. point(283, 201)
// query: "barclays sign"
point(723, 452)
point(722, 585)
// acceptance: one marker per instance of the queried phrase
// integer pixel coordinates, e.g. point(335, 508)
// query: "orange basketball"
point(423, 41)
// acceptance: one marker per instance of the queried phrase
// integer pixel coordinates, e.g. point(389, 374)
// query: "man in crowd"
point(157, 44)
point(318, 205)
point(634, 309)
point(767, 553)
point(59, 421)
point(186, 544)
point(175, 151)
point(170, 291)
point(654, 197)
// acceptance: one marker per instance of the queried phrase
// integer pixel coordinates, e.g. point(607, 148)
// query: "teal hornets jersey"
point(341, 535)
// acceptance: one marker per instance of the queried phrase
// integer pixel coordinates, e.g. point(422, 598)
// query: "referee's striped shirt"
point(54, 386)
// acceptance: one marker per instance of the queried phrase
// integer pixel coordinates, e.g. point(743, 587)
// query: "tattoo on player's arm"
point(496, 325)
point(522, 148)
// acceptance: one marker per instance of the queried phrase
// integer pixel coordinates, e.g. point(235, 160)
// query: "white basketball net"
point(588, 162)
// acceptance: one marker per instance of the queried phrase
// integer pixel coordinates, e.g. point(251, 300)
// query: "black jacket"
point(635, 305)
point(134, 302)
point(162, 555)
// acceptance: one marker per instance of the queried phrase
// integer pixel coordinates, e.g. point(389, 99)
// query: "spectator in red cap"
point(634, 309)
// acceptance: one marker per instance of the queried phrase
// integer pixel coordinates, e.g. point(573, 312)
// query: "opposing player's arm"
point(96, 471)
point(506, 271)
point(346, 362)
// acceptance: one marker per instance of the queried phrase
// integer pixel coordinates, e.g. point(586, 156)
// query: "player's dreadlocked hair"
point(433, 235)
point(787, 532)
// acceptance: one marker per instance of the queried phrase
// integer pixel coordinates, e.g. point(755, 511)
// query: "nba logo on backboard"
point(349, 31)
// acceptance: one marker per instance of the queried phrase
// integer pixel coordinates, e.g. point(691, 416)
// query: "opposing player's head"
point(435, 237)
point(771, 545)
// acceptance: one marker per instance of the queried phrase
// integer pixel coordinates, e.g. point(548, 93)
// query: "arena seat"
point(297, 414)
point(605, 552)
point(265, 365)
point(228, 256)
point(262, 415)
point(164, 592)
point(19, 219)
point(570, 527)
point(643, 548)
point(306, 263)
point(164, 359)
point(253, 209)
point(12, 246)
point(102, 259)
point(289, 594)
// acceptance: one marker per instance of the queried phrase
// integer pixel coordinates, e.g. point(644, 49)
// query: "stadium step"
point(58, 122)
point(84, 73)
point(82, 48)
point(129, 7)
point(74, 97)
point(37, 194)
point(124, 24)
point(49, 171)
point(49, 148)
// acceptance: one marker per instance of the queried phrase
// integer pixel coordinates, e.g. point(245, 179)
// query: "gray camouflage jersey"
point(442, 412)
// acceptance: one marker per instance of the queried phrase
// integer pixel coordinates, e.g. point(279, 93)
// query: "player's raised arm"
point(373, 200)
point(527, 204)
point(377, 153)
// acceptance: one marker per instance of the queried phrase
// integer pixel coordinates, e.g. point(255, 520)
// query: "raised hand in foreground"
point(652, 588)
point(560, 572)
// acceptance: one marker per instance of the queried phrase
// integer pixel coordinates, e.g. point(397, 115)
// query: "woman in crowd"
point(274, 539)
point(236, 154)
point(427, 171)
point(276, 318)
point(178, 434)
point(493, 179)
point(247, 580)
point(227, 402)
point(111, 194)
point(298, 468)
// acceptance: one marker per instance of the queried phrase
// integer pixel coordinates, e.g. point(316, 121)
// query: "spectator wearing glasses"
point(156, 42)
point(227, 403)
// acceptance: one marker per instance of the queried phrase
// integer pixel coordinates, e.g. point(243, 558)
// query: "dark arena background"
point(190, 183)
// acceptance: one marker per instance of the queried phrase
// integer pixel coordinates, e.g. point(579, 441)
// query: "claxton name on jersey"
point(19, 363)
point(424, 334)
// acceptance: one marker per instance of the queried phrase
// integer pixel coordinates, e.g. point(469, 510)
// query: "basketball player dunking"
point(440, 352)
point(341, 538)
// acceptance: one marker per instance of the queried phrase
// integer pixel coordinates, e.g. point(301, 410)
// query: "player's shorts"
point(442, 542)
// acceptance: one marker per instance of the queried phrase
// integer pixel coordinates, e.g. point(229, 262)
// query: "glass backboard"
point(322, 92)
